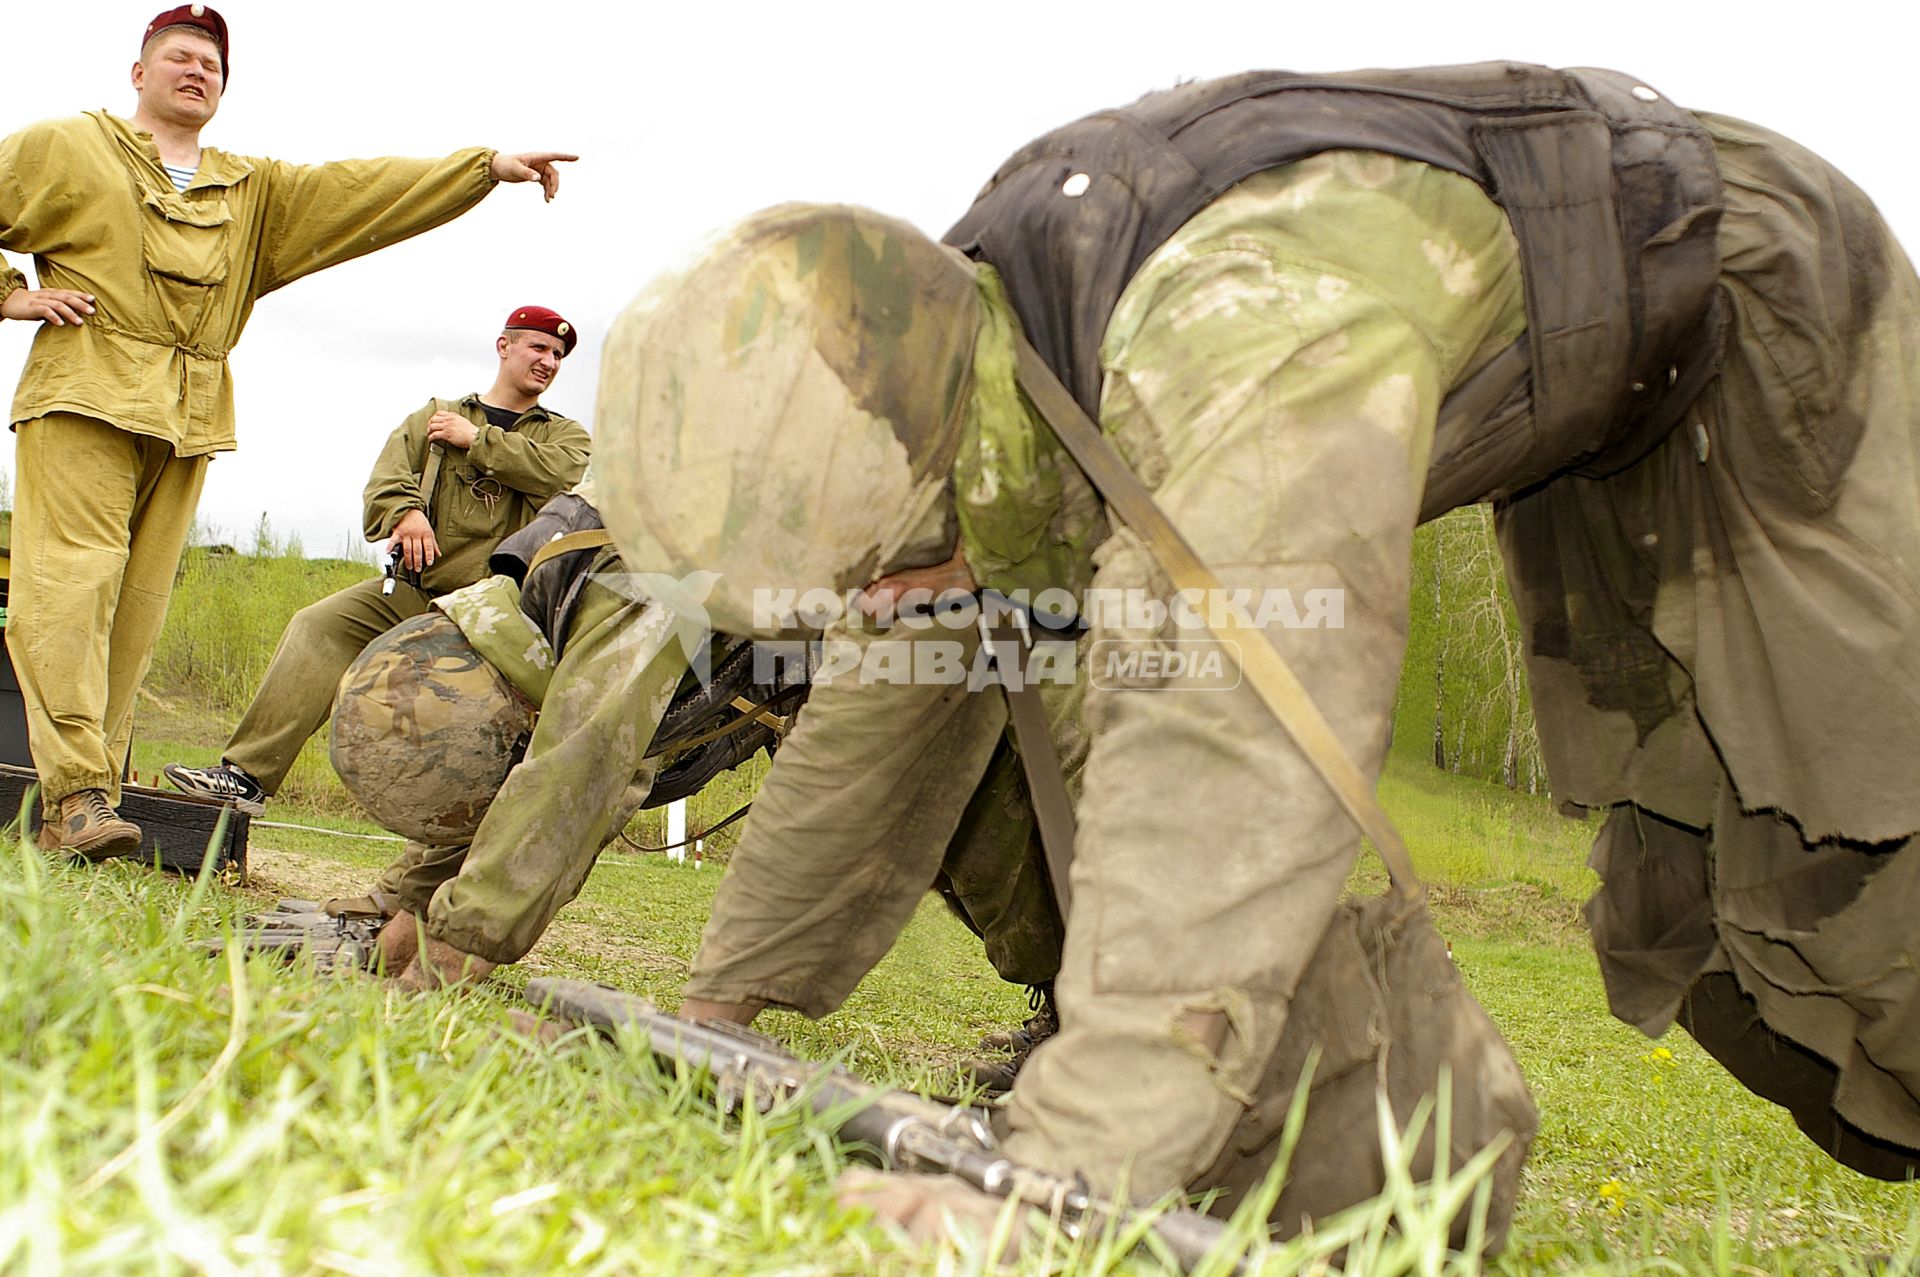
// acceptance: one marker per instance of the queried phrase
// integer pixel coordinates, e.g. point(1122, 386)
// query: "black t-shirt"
point(501, 417)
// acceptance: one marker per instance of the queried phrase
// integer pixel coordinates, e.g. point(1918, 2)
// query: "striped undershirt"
point(181, 176)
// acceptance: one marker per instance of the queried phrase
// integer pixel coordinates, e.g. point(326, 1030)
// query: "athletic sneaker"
point(224, 784)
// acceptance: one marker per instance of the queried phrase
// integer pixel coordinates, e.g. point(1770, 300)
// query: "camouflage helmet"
point(784, 411)
point(425, 731)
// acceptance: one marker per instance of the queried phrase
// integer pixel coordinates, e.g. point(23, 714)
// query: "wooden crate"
point(176, 828)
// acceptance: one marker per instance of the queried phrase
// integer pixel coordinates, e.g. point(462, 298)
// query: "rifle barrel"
point(899, 1130)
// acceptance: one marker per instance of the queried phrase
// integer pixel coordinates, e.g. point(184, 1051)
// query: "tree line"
point(1463, 703)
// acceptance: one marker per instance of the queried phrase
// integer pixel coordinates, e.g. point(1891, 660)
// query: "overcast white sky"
point(688, 116)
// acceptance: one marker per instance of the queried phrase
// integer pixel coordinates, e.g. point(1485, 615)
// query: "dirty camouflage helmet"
point(784, 411)
point(425, 731)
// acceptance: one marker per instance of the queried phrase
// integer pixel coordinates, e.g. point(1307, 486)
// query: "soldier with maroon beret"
point(455, 477)
point(539, 319)
point(199, 17)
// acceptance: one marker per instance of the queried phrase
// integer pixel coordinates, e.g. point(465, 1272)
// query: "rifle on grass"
point(895, 1129)
point(337, 941)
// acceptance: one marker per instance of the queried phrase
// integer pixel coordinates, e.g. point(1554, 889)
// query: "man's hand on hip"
point(451, 428)
point(414, 535)
point(56, 306)
point(530, 166)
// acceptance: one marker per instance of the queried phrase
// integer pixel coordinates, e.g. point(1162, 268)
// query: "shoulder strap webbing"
point(430, 473)
point(567, 543)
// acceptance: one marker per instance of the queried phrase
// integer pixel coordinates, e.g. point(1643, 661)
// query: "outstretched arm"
point(324, 214)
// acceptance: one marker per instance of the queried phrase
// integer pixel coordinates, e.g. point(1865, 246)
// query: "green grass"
point(167, 1112)
point(163, 1112)
point(1649, 1148)
point(226, 618)
point(171, 1113)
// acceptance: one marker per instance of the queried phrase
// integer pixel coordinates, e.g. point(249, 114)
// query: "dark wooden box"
point(177, 828)
point(13, 711)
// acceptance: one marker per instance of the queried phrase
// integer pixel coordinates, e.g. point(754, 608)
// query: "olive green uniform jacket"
point(483, 493)
point(175, 274)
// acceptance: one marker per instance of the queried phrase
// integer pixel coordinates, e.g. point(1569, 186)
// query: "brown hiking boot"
point(996, 1072)
point(87, 826)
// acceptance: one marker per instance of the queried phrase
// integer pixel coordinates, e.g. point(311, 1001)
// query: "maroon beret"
point(540, 319)
point(203, 17)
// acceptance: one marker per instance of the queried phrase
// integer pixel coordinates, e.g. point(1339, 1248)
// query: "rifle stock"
point(896, 1130)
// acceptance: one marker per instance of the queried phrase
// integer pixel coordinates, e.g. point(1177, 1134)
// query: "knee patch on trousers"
point(1221, 1030)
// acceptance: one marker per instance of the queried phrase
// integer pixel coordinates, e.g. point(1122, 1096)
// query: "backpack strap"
point(567, 543)
point(1009, 636)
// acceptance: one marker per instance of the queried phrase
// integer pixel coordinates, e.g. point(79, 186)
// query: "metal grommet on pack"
point(1673, 374)
point(1076, 186)
point(1639, 386)
point(1700, 441)
point(1645, 94)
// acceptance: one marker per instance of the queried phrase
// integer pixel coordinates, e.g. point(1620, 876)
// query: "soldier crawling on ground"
point(510, 732)
point(1676, 350)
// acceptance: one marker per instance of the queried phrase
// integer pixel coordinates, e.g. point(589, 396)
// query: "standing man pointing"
point(152, 250)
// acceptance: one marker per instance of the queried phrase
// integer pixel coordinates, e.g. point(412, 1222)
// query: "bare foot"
point(537, 1027)
point(731, 1012)
point(439, 965)
point(397, 943)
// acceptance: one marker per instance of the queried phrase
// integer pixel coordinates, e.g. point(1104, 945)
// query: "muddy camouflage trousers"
point(1723, 647)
